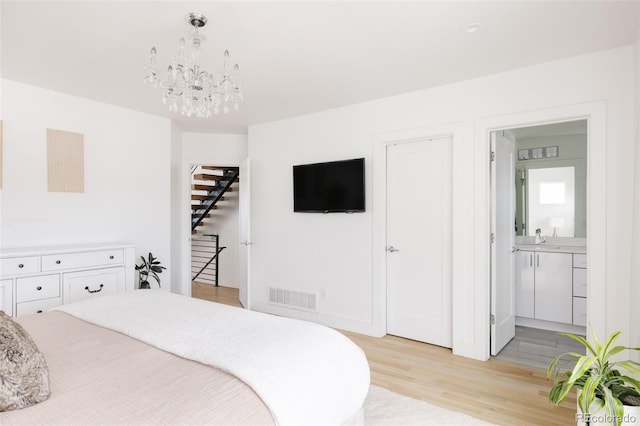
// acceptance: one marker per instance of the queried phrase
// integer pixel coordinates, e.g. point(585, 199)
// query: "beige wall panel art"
point(65, 161)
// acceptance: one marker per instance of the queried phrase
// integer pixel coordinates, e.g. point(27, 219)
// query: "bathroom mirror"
point(551, 179)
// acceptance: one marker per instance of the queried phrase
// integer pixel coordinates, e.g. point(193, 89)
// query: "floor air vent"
point(293, 299)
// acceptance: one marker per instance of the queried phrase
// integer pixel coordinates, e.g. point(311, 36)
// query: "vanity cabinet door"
point(525, 287)
point(554, 287)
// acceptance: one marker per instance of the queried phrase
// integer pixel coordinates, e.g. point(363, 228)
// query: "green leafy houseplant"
point(599, 378)
point(149, 267)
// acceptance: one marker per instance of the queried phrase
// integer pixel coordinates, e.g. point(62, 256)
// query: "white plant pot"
point(631, 417)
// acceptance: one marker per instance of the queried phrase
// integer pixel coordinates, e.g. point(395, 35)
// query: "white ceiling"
point(297, 57)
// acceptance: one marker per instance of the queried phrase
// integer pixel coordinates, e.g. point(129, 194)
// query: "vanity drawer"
point(580, 282)
point(35, 288)
point(19, 265)
point(580, 311)
point(37, 306)
point(579, 260)
point(89, 284)
point(56, 262)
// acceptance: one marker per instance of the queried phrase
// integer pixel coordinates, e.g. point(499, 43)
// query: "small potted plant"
point(149, 267)
point(606, 396)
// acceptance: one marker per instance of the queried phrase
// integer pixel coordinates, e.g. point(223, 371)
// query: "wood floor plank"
point(497, 391)
point(226, 295)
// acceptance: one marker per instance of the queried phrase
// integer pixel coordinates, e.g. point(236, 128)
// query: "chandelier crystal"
point(187, 88)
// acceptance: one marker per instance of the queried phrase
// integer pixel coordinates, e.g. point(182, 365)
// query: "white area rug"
point(383, 407)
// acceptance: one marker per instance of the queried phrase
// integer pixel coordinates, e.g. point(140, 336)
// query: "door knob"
point(392, 249)
point(246, 243)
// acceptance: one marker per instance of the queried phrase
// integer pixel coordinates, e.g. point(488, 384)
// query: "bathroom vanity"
point(551, 286)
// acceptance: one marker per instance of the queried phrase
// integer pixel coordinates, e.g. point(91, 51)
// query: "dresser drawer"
point(579, 260)
point(88, 284)
point(37, 306)
point(580, 311)
point(19, 265)
point(34, 288)
point(56, 262)
point(580, 282)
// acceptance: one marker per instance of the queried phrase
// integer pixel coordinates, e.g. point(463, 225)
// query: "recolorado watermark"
point(605, 419)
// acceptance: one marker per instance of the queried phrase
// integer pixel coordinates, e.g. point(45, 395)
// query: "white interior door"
point(503, 319)
point(244, 256)
point(419, 240)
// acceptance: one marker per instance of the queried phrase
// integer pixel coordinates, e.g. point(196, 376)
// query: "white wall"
point(334, 252)
point(177, 240)
point(635, 259)
point(126, 172)
point(219, 150)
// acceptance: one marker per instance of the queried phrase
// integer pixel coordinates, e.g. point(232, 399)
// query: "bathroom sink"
point(531, 246)
point(552, 248)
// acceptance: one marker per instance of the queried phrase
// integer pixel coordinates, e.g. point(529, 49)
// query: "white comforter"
point(307, 374)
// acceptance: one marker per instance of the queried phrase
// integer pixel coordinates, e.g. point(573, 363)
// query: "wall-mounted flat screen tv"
point(333, 187)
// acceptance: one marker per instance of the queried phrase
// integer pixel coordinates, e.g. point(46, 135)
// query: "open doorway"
point(538, 253)
point(214, 213)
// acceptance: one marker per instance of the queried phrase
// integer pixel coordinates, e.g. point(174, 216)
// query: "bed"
point(152, 357)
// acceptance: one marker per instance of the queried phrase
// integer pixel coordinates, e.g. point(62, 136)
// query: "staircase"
point(209, 185)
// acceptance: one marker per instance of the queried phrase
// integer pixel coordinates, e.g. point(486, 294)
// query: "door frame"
point(379, 215)
point(185, 209)
point(595, 114)
point(244, 189)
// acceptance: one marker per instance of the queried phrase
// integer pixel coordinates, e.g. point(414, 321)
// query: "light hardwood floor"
point(496, 391)
point(226, 295)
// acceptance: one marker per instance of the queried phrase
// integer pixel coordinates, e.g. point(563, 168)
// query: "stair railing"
point(211, 266)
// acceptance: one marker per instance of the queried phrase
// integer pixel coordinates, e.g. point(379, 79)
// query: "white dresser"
point(33, 280)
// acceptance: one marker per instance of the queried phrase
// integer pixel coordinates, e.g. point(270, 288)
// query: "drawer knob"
point(111, 257)
point(39, 287)
point(94, 291)
point(21, 266)
point(39, 311)
point(57, 262)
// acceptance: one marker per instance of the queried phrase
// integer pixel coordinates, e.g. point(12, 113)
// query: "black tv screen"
point(332, 187)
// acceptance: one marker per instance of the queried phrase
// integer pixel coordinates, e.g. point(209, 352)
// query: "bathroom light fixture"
point(538, 153)
point(199, 93)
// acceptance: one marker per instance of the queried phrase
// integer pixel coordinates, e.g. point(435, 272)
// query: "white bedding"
point(305, 373)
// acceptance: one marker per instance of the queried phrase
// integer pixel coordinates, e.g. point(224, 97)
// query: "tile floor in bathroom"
point(537, 348)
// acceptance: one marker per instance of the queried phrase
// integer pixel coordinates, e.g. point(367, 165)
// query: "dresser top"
point(33, 251)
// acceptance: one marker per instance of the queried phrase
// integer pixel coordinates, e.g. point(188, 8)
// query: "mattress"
point(102, 377)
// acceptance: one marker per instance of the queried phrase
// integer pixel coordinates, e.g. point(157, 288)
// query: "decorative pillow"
point(24, 377)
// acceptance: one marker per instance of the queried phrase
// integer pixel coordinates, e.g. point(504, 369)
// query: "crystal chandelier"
point(187, 88)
